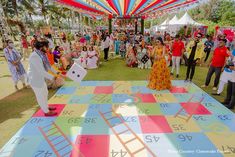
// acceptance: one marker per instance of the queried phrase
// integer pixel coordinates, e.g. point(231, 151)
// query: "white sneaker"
point(214, 88)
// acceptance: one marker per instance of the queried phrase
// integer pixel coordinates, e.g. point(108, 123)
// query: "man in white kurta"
point(37, 75)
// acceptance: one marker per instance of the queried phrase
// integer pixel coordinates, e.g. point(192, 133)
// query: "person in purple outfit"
point(57, 54)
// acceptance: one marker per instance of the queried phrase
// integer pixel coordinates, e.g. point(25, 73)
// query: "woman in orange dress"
point(159, 78)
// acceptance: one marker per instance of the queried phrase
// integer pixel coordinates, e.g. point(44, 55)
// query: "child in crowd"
point(92, 60)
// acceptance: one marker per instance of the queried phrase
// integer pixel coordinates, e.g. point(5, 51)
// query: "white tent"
point(165, 22)
point(174, 20)
point(187, 20)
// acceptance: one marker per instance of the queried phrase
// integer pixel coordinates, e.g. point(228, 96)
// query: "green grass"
point(18, 107)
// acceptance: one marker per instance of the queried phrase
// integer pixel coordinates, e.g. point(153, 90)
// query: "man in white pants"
point(38, 67)
point(177, 51)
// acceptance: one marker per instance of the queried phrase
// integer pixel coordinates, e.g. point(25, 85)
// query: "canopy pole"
point(142, 26)
point(110, 25)
point(136, 25)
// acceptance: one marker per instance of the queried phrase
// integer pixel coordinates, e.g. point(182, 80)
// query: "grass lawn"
point(18, 107)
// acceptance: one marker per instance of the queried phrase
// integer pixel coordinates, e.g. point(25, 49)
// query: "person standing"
point(195, 53)
point(177, 51)
point(209, 44)
point(229, 101)
point(218, 61)
point(25, 47)
point(37, 73)
point(105, 45)
point(159, 78)
point(16, 68)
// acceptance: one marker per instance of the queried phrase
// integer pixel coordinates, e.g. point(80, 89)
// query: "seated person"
point(131, 59)
point(82, 60)
point(57, 54)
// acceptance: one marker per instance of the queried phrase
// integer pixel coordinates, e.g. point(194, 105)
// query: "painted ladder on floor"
point(127, 129)
point(188, 116)
point(60, 143)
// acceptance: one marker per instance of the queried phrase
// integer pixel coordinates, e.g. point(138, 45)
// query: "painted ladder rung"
point(107, 112)
point(55, 138)
point(137, 151)
point(52, 133)
point(47, 126)
point(123, 132)
point(111, 118)
point(50, 129)
point(64, 147)
point(59, 142)
point(181, 117)
point(117, 124)
point(66, 154)
point(130, 140)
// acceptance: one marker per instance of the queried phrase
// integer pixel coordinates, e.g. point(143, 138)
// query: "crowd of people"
point(49, 59)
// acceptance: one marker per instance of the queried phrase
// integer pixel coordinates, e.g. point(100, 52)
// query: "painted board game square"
point(228, 120)
point(88, 83)
point(195, 108)
point(19, 146)
point(148, 109)
point(81, 99)
point(146, 98)
point(121, 88)
point(165, 98)
point(216, 108)
point(105, 83)
point(181, 125)
point(94, 126)
point(142, 89)
point(93, 145)
point(31, 126)
point(66, 90)
point(59, 99)
point(169, 109)
point(224, 142)
point(154, 124)
point(161, 145)
point(59, 108)
point(94, 109)
point(122, 98)
point(182, 97)
point(83, 90)
point(210, 123)
point(178, 89)
point(70, 126)
point(103, 90)
point(101, 99)
point(194, 145)
point(125, 109)
point(74, 111)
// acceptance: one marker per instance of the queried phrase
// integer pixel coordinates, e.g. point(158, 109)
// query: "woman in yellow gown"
point(159, 78)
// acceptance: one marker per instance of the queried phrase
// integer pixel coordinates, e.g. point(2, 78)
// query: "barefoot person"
point(38, 72)
point(15, 66)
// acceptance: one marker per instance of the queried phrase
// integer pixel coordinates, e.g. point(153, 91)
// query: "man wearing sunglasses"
point(195, 53)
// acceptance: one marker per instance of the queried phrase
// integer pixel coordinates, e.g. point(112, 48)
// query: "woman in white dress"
point(82, 60)
point(92, 58)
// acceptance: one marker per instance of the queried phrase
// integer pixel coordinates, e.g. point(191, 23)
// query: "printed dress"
point(159, 78)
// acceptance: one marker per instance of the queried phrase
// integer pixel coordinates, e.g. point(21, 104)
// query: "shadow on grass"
point(15, 104)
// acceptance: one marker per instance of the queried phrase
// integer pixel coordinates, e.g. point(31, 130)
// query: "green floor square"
point(148, 109)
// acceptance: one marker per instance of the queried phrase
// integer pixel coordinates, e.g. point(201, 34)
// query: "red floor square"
point(146, 98)
point(154, 124)
point(59, 108)
point(195, 108)
point(103, 90)
point(92, 144)
point(176, 89)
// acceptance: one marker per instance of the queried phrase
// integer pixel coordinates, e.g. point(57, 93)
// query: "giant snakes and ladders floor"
point(126, 119)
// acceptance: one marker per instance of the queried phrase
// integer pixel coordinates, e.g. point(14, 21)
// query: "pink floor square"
point(146, 98)
point(59, 108)
point(93, 144)
point(195, 108)
point(103, 90)
point(176, 89)
point(154, 124)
